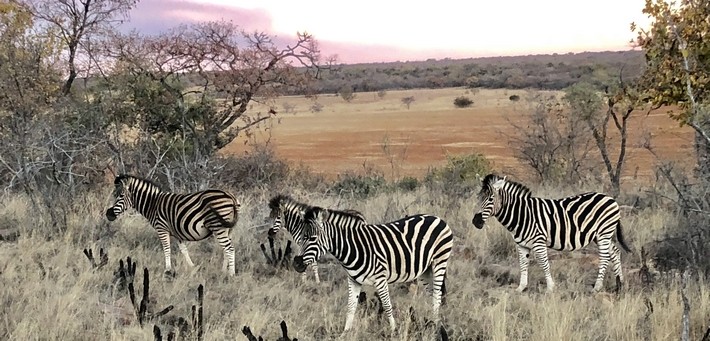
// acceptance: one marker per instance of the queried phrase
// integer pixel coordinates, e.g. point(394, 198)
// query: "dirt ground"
point(383, 132)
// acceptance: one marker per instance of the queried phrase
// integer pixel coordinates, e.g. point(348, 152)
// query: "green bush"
point(462, 102)
point(360, 186)
point(460, 174)
point(408, 183)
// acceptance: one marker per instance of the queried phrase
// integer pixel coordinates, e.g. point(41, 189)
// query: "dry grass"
point(50, 293)
point(345, 135)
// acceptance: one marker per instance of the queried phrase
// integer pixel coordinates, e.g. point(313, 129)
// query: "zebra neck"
point(341, 241)
point(146, 202)
point(514, 213)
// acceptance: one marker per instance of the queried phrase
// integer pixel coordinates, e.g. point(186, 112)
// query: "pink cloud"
point(350, 53)
point(155, 16)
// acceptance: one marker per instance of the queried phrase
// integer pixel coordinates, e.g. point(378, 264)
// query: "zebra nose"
point(478, 221)
point(298, 264)
point(110, 215)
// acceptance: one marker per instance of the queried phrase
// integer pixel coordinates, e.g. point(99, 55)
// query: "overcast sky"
point(390, 30)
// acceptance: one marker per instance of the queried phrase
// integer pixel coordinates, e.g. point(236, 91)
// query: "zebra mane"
point(122, 177)
point(343, 214)
point(276, 202)
point(492, 178)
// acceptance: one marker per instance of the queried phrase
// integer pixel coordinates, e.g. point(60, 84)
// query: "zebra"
point(415, 247)
point(565, 224)
point(287, 212)
point(186, 217)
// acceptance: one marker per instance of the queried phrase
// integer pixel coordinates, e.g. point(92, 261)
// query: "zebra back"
point(405, 248)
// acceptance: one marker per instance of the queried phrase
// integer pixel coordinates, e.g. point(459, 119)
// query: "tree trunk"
point(702, 152)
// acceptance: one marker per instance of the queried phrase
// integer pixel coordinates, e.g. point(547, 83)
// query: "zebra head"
point(122, 195)
point(313, 231)
point(281, 211)
point(489, 199)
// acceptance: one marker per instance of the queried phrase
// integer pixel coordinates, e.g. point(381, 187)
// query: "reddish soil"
point(344, 136)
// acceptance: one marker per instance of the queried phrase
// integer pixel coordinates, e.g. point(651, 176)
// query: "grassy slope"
point(70, 302)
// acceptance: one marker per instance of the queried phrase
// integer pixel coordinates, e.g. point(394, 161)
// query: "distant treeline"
point(548, 72)
point(551, 72)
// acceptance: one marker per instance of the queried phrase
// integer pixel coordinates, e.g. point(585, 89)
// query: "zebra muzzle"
point(298, 264)
point(110, 215)
point(478, 221)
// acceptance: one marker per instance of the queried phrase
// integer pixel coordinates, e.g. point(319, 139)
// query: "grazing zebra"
point(401, 251)
point(565, 224)
point(287, 212)
point(187, 217)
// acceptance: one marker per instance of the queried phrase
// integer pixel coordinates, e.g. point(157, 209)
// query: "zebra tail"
point(221, 219)
point(620, 238)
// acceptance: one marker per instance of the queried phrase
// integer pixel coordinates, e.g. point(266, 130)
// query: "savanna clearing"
point(382, 132)
point(51, 292)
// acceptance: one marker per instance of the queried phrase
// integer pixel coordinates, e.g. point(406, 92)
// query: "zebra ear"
point(499, 184)
point(322, 215)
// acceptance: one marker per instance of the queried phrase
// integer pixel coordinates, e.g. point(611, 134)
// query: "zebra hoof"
point(169, 274)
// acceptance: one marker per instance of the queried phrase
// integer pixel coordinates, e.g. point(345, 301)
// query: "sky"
point(399, 30)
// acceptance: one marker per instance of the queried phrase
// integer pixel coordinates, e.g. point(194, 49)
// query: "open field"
point(345, 135)
point(49, 291)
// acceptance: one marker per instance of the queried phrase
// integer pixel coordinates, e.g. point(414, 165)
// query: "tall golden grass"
point(50, 292)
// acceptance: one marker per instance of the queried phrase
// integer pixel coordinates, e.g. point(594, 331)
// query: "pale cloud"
point(387, 30)
point(155, 16)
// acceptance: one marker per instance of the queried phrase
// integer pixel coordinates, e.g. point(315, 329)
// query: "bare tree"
point(229, 70)
point(408, 101)
point(552, 142)
point(76, 22)
point(621, 101)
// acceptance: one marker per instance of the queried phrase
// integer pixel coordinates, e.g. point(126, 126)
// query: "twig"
point(442, 333)
point(277, 259)
point(685, 320)
point(103, 258)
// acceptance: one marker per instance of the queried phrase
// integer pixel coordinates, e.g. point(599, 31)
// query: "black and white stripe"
point(414, 247)
point(186, 217)
point(288, 213)
point(565, 224)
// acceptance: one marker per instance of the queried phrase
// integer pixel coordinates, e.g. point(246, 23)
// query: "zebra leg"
point(616, 265)
point(616, 262)
point(437, 284)
point(523, 259)
point(605, 248)
point(314, 267)
point(225, 242)
point(384, 293)
point(164, 237)
point(183, 250)
point(541, 256)
point(353, 294)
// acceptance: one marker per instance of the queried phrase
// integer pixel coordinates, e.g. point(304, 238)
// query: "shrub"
point(408, 183)
point(514, 98)
point(462, 102)
point(460, 174)
point(347, 93)
point(316, 107)
point(258, 167)
point(360, 186)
